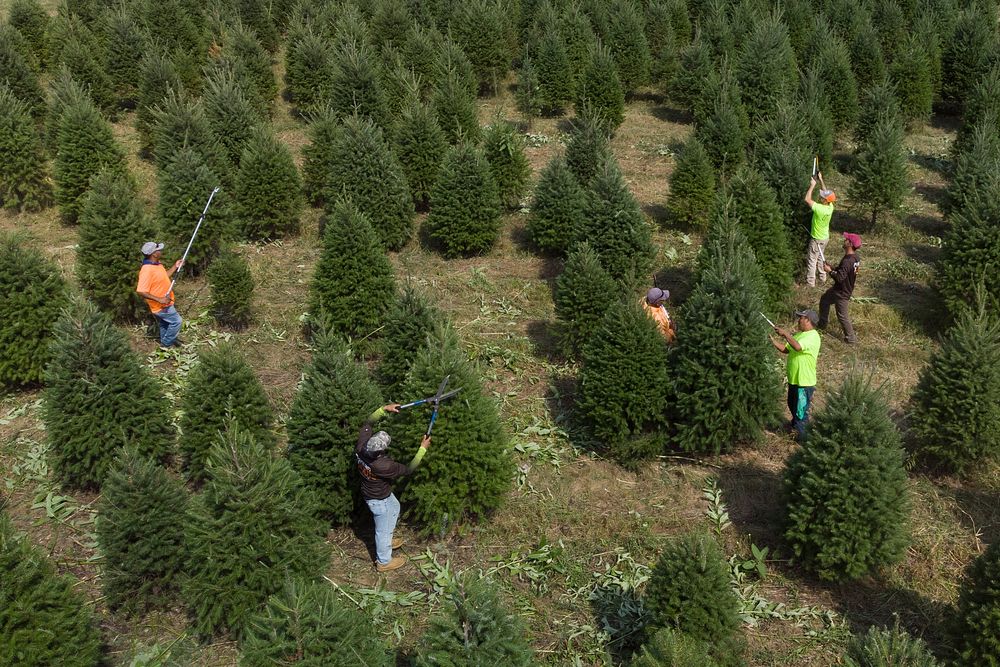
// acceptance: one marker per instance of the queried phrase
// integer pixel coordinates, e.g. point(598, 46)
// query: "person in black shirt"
point(839, 296)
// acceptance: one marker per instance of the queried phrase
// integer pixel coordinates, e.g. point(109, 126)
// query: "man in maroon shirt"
point(839, 296)
point(377, 471)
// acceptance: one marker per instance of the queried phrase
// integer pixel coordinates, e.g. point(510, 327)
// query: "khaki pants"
point(814, 264)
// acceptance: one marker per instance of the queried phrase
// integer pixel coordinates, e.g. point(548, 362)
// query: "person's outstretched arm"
point(809, 193)
point(425, 442)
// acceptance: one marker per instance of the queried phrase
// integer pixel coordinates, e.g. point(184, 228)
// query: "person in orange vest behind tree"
point(154, 287)
point(654, 306)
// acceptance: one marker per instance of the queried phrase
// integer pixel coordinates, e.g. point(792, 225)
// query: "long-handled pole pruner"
point(773, 325)
point(815, 165)
point(196, 228)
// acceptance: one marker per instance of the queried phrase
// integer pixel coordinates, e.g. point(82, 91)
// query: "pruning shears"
point(434, 400)
point(815, 166)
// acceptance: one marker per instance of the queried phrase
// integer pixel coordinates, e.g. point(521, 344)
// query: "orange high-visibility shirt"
point(662, 319)
point(153, 280)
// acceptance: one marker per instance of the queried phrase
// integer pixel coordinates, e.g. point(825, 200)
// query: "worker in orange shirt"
point(154, 287)
point(654, 305)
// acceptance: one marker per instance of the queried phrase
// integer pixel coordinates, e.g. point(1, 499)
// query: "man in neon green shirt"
point(803, 351)
point(819, 231)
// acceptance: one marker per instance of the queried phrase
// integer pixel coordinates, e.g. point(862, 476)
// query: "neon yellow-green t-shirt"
point(802, 365)
point(821, 220)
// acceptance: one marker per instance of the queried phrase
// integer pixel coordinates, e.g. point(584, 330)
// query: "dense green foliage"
point(817, 116)
point(309, 70)
point(85, 145)
point(268, 189)
point(970, 52)
point(891, 647)
point(410, 320)
point(557, 210)
point(833, 62)
point(584, 293)
point(911, 72)
point(588, 148)
point(846, 494)
point(971, 249)
point(17, 72)
point(330, 406)
point(232, 290)
point(881, 177)
point(157, 77)
point(141, 533)
point(30, 19)
point(24, 184)
point(629, 47)
point(420, 145)
point(554, 72)
point(599, 91)
point(976, 630)
point(355, 89)
point(232, 117)
point(99, 397)
point(721, 123)
point(782, 144)
point(465, 204)
point(671, 648)
point(318, 157)
point(180, 122)
point(692, 186)
point(222, 390)
point(766, 67)
point(455, 108)
point(126, 41)
point(503, 149)
point(480, 29)
point(973, 168)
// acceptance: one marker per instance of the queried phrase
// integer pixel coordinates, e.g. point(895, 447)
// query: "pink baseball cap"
point(854, 240)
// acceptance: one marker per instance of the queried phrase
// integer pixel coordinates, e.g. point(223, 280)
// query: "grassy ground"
point(574, 541)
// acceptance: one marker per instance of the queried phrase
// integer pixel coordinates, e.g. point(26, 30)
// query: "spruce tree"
point(86, 422)
point(184, 185)
point(31, 20)
point(64, 91)
point(888, 648)
point(927, 36)
point(753, 203)
point(973, 167)
point(766, 67)
point(157, 77)
point(725, 388)
point(614, 225)
point(970, 250)
point(310, 621)
point(181, 28)
point(222, 390)
point(468, 470)
point(584, 293)
point(671, 648)
point(474, 628)
point(140, 529)
point(781, 146)
point(969, 54)
point(317, 157)
point(599, 90)
point(421, 52)
point(867, 57)
point(32, 293)
point(845, 491)
point(629, 47)
point(331, 404)
point(113, 226)
point(622, 394)
point(578, 35)
point(399, 84)
point(180, 122)
point(232, 290)
point(982, 108)
point(955, 414)
point(689, 591)
point(248, 532)
point(528, 94)
point(455, 108)
point(465, 204)
point(975, 633)
point(246, 54)
point(420, 145)
point(268, 189)
point(16, 72)
point(355, 89)
point(557, 209)
point(815, 110)
point(24, 184)
point(881, 177)
point(664, 44)
point(693, 69)
point(833, 63)
point(503, 148)
point(364, 169)
point(911, 73)
point(692, 186)
point(390, 23)
point(588, 148)
point(452, 61)
point(309, 71)
point(480, 28)
point(554, 72)
point(230, 116)
point(722, 127)
point(410, 320)
point(84, 147)
point(717, 29)
point(353, 277)
point(78, 55)
point(126, 41)
point(45, 621)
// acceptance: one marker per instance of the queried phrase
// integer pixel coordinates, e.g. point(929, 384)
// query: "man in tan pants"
point(819, 231)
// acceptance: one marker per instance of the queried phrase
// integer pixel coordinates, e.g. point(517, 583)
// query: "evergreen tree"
point(554, 72)
point(465, 204)
point(956, 417)
point(248, 532)
point(892, 647)
point(85, 421)
point(976, 631)
point(725, 388)
point(31, 295)
point(930, 41)
point(880, 171)
point(693, 69)
point(982, 108)
point(970, 251)
point(891, 24)
point(815, 110)
point(467, 473)
point(474, 629)
point(364, 169)
point(390, 23)
point(309, 71)
point(420, 145)
point(766, 67)
point(268, 189)
point(399, 84)
point(421, 52)
point(781, 146)
point(157, 77)
point(689, 591)
point(317, 157)
point(45, 621)
point(480, 27)
point(629, 47)
point(180, 122)
point(355, 89)
point(584, 293)
point(222, 391)
point(31, 20)
point(615, 227)
point(503, 148)
point(528, 94)
point(330, 406)
point(230, 116)
point(721, 128)
point(664, 44)
point(452, 61)
point(599, 90)
point(692, 186)
point(622, 395)
point(410, 320)
point(232, 290)
point(78, 55)
point(970, 52)
point(973, 168)
point(84, 147)
point(867, 58)
point(353, 277)
point(588, 148)
point(455, 108)
point(181, 28)
point(16, 71)
point(846, 494)
point(670, 648)
point(64, 92)
point(126, 42)
point(911, 73)
point(246, 54)
point(578, 35)
point(113, 226)
point(833, 63)
point(752, 202)
point(184, 184)
point(717, 29)
point(309, 621)
point(557, 210)
point(24, 184)
point(140, 530)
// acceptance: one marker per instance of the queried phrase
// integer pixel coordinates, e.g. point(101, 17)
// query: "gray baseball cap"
point(378, 442)
point(655, 295)
point(810, 315)
point(149, 247)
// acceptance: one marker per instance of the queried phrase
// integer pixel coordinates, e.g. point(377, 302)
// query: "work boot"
point(394, 564)
point(397, 542)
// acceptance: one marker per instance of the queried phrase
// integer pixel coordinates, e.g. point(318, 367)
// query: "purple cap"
point(655, 295)
point(854, 239)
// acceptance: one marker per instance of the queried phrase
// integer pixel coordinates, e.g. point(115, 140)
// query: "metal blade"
point(441, 388)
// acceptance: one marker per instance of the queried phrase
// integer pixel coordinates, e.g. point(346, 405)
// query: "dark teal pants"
point(799, 399)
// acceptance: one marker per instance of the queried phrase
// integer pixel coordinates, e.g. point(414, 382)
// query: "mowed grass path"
point(577, 533)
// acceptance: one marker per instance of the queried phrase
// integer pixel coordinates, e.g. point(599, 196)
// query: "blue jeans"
point(170, 325)
point(799, 399)
point(386, 512)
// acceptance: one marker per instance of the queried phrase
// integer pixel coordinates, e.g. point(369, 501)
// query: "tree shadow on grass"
point(927, 224)
point(671, 115)
point(935, 194)
point(679, 280)
point(916, 303)
point(980, 511)
point(544, 338)
point(933, 163)
point(753, 499)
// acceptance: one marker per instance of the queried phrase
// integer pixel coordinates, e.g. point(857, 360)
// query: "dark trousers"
point(799, 399)
point(840, 302)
